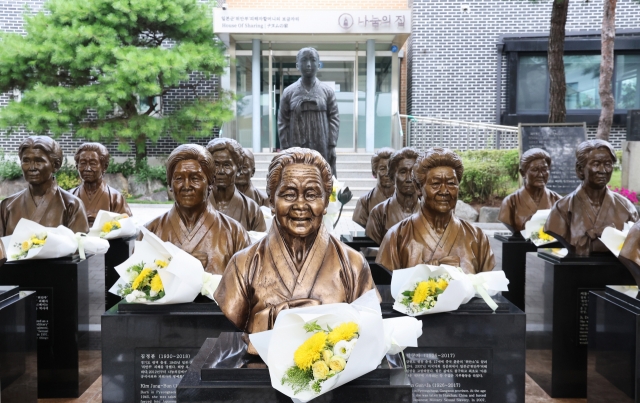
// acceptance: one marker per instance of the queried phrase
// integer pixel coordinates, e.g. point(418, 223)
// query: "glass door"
point(337, 71)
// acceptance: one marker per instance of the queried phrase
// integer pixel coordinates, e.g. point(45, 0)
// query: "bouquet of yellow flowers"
point(36, 241)
point(614, 239)
point(313, 350)
point(534, 229)
point(424, 295)
point(31, 240)
point(110, 225)
point(172, 277)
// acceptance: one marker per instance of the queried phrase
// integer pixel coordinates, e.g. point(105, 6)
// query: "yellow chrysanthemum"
point(345, 331)
point(107, 227)
point(421, 292)
point(141, 277)
point(431, 287)
point(37, 241)
point(116, 225)
point(161, 263)
point(442, 284)
point(26, 245)
point(620, 246)
point(544, 236)
point(156, 283)
point(309, 351)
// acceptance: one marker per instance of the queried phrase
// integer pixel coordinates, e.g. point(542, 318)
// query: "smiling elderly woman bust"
point(193, 224)
point(519, 207)
point(43, 201)
point(434, 235)
point(578, 219)
point(298, 263)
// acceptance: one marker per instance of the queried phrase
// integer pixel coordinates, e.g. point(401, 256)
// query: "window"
point(627, 72)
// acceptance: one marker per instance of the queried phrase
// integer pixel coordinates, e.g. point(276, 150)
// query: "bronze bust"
point(578, 219)
point(434, 235)
point(382, 191)
point(298, 263)
point(43, 201)
point(630, 252)
point(243, 179)
point(225, 197)
point(404, 201)
point(92, 161)
point(192, 223)
point(519, 207)
point(308, 115)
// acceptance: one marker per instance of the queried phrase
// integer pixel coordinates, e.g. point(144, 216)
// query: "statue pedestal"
point(18, 351)
point(357, 240)
point(217, 375)
point(558, 316)
point(119, 251)
point(134, 334)
point(514, 258)
point(614, 337)
point(66, 366)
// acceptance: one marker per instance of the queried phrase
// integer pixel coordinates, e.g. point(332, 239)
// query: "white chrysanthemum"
point(343, 349)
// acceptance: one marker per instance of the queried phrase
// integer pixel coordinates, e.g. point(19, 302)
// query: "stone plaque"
point(583, 316)
point(633, 125)
point(440, 374)
point(159, 370)
point(44, 316)
point(561, 142)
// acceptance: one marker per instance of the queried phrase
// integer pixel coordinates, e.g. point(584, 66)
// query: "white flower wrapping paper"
point(268, 217)
point(613, 238)
point(276, 347)
point(128, 226)
point(460, 290)
point(61, 241)
point(533, 226)
point(256, 236)
point(333, 209)
point(182, 279)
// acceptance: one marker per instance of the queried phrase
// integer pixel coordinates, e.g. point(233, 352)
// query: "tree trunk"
point(608, 37)
point(557, 82)
point(140, 148)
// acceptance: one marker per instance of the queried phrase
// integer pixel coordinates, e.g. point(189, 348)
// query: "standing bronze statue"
point(434, 235)
point(298, 263)
point(43, 201)
point(404, 201)
point(227, 157)
point(92, 161)
point(382, 191)
point(519, 207)
point(243, 179)
point(192, 223)
point(630, 252)
point(578, 219)
point(308, 115)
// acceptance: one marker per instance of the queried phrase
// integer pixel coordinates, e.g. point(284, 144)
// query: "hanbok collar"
point(192, 238)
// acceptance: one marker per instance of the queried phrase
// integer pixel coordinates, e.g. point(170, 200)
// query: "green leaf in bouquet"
point(312, 327)
point(407, 294)
point(297, 379)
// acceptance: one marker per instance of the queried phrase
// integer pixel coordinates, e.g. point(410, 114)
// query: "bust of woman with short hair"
point(434, 235)
point(519, 207)
point(192, 224)
point(299, 263)
point(43, 201)
point(92, 161)
point(578, 219)
point(382, 191)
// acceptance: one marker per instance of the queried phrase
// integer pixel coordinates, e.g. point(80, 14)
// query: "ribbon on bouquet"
point(79, 237)
point(478, 285)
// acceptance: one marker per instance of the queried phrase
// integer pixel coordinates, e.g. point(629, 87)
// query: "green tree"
point(85, 65)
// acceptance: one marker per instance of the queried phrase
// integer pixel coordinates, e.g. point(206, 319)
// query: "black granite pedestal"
point(18, 351)
point(65, 365)
point(614, 340)
point(247, 379)
point(514, 257)
point(558, 316)
point(119, 250)
point(357, 240)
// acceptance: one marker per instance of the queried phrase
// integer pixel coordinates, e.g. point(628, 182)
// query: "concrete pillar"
point(255, 95)
point(631, 165)
point(370, 100)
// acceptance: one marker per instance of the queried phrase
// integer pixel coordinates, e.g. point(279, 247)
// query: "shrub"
point(482, 180)
point(126, 168)
point(144, 172)
point(67, 176)
point(9, 169)
point(629, 194)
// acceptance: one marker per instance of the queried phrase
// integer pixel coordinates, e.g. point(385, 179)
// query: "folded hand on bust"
point(449, 260)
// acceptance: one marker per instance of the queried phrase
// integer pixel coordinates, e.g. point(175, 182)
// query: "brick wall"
point(318, 4)
point(452, 60)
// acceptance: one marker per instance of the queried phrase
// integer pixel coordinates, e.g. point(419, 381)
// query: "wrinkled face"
point(440, 191)
point(189, 184)
point(597, 171)
point(37, 168)
point(226, 169)
point(244, 173)
point(89, 166)
point(382, 173)
point(404, 182)
point(537, 174)
point(308, 64)
point(300, 200)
